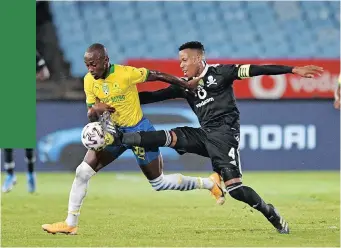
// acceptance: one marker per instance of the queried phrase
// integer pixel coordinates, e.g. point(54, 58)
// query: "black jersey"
point(214, 100)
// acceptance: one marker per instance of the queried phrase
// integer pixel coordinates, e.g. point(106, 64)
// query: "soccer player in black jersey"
point(215, 106)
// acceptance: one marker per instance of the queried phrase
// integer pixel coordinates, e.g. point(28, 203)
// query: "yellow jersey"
point(118, 90)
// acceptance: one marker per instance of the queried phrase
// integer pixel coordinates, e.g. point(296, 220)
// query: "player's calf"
point(31, 177)
point(185, 183)
point(246, 194)
point(11, 179)
point(180, 182)
point(153, 139)
point(78, 192)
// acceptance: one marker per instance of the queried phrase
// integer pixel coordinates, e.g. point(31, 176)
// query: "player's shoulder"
point(119, 67)
point(222, 68)
point(88, 79)
point(123, 68)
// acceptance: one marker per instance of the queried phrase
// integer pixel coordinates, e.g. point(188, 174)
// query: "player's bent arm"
point(160, 95)
point(167, 78)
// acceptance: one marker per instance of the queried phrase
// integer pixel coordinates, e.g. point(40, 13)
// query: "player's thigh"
point(99, 159)
point(190, 140)
point(223, 149)
point(29, 152)
point(8, 154)
point(149, 160)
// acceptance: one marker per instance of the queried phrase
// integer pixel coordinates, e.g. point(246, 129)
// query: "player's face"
point(190, 61)
point(96, 64)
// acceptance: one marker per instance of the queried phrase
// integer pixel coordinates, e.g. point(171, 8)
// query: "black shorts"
point(220, 144)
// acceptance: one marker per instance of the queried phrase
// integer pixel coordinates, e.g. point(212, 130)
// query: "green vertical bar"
point(18, 83)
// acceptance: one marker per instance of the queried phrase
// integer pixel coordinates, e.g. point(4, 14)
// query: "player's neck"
point(107, 71)
point(202, 69)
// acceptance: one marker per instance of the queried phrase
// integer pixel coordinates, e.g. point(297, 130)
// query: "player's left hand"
point(308, 71)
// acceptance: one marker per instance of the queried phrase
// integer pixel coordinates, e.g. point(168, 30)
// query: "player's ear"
point(106, 59)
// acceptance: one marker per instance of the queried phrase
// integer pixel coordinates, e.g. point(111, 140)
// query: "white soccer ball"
point(93, 137)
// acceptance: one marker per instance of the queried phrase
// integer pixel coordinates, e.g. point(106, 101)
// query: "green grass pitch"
point(121, 209)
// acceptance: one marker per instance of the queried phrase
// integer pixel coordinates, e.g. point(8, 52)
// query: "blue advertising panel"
point(283, 135)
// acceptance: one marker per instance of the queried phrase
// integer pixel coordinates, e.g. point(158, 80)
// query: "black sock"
point(30, 160)
point(250, 197)
point(152, 139)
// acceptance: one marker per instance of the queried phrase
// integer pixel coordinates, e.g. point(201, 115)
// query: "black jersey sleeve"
point(170, 92)
point(235, 71)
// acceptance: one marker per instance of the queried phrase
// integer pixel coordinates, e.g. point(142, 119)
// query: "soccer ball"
point(93, 137)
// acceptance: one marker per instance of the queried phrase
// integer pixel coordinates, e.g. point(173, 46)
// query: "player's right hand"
point(100, 108)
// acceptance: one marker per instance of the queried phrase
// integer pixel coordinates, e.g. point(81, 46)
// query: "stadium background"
point(288, 123)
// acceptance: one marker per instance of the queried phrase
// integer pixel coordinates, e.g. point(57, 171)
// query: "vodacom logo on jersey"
point(291, 86)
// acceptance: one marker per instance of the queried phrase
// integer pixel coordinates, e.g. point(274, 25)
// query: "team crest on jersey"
point(210, 81)
point(105, 88)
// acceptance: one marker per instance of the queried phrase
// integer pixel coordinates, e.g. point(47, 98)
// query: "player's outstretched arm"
point(170, 92)
point(167, 78)
point(308, 71)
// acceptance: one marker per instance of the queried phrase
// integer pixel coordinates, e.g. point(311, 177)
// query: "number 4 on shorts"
point(231, 153)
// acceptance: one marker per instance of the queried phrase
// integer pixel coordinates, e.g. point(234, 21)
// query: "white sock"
point(78, 191)
point(180, 182)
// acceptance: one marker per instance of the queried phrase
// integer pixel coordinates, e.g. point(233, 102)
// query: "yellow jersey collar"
point(111, 70)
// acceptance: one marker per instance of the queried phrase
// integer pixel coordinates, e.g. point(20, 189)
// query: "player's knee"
point(230, 173)
point(180, 138)
point(84, 172)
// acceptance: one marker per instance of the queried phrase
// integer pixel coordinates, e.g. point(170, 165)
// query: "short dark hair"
point(98, 47)
point(192, 45)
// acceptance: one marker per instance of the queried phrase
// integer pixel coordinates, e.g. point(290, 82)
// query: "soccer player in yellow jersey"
point(112, 87)
point(337, 94)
